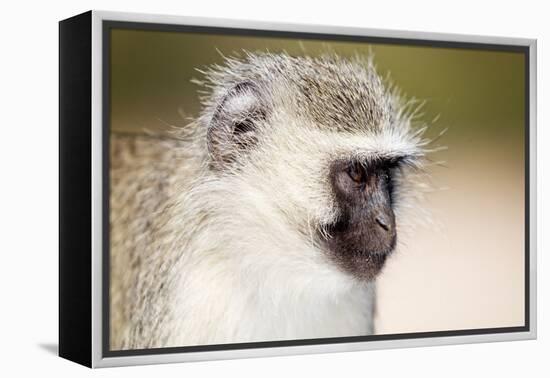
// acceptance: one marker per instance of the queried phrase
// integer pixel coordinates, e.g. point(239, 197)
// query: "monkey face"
point(323, 146)
point(364, 233)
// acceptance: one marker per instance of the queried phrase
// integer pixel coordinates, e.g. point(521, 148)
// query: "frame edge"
point(75, 286)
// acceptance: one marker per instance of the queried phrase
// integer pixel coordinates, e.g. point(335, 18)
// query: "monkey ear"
point(232, 129)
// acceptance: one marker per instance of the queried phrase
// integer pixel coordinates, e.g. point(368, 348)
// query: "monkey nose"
point(384, 221)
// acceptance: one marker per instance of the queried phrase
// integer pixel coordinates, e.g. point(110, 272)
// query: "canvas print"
point(268, 188)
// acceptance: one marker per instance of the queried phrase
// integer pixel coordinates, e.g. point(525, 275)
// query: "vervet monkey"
point(270, 216)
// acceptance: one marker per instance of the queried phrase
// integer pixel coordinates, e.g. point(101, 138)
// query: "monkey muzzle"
point(365, 233)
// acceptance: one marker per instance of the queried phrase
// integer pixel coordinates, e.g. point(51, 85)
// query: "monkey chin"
point(361, 263)
point(367, 266)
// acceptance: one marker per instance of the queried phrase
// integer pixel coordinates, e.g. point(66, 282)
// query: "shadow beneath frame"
point(51, 348)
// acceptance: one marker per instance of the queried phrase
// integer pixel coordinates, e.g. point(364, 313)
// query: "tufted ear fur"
point(233, 127)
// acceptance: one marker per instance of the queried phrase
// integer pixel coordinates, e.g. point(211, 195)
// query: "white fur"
point(235, 254)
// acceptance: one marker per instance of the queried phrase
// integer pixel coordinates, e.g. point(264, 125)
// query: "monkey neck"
point(248, 273)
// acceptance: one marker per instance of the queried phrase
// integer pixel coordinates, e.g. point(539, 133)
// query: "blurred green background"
point(464, 270)
point(472, 91)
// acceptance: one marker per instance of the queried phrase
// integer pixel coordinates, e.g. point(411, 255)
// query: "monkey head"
point(322, 143)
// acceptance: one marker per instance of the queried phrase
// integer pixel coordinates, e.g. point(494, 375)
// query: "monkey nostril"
point(383, 222)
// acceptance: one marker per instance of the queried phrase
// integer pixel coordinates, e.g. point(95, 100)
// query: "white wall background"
point(28, 200)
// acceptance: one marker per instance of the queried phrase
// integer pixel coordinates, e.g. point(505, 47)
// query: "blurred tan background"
point(466, 269)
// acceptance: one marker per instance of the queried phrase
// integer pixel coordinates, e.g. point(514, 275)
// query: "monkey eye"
point(357, 172)
point(394, 162)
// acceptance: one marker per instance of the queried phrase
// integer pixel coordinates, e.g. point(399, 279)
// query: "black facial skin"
point(365, 233)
